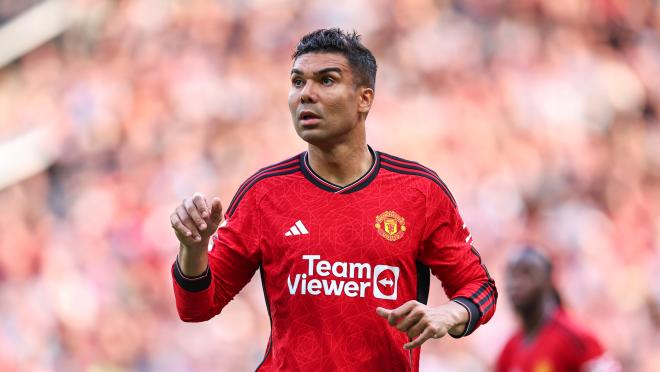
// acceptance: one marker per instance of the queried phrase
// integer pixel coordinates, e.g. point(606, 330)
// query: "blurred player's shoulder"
point(575, 334)
point(411, 168)
point(582, 345)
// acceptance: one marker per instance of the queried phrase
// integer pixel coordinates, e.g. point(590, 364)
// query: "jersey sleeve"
point(234, 256)
point(448, 251)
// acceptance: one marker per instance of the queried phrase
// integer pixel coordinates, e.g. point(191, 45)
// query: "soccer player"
point(344, 237)
point(549, 340)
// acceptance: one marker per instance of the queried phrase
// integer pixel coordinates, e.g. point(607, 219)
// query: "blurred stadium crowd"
point(541, 115)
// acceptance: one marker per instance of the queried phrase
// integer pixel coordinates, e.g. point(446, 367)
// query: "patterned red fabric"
point(329, 255)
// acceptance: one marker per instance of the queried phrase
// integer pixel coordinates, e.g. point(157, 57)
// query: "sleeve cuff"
point(473, 315)
point(191, 284)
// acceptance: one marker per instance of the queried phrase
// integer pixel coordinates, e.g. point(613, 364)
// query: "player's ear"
point(366, 99)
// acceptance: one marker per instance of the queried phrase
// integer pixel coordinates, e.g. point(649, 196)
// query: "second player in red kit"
point(548, 339)
point(345, 237)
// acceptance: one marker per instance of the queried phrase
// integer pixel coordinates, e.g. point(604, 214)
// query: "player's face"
point(526, 282)
point(324, 101)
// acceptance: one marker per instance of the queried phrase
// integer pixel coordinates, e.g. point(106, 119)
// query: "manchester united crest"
point(390, 225)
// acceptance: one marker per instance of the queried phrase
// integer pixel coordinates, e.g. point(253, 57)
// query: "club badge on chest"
point(390, 225)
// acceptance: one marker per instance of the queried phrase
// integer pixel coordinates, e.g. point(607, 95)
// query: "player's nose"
point(308, 93)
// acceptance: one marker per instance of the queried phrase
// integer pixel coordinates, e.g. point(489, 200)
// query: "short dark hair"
point(334, 40)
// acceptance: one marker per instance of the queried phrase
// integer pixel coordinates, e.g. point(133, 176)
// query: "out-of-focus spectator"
point(541, 115)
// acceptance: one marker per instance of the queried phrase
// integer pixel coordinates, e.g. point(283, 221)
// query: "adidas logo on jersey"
point(297, 229)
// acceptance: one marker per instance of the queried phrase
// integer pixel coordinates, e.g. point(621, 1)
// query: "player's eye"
point(297, 82)
point(327, 80)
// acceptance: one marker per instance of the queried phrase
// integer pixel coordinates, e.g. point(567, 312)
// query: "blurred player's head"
point(529, 280)
point(332, 86)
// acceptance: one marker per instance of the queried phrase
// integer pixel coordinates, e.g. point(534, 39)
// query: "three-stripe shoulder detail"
point(288, 166)
point(403, 166)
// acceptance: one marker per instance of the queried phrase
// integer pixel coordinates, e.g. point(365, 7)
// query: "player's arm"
point(448, 252)
point(204, 282)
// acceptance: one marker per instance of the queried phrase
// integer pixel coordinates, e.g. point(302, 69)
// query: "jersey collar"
point(357, 185)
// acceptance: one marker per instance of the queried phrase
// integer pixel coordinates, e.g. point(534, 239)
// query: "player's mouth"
point(308, 118)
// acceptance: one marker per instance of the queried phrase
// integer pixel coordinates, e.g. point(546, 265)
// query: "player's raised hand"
point(195, 220)
point(422, 322)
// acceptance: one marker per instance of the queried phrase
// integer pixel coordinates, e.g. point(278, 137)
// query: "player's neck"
point(535, 318)
point(342, 163)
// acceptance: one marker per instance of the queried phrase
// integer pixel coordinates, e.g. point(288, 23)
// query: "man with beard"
point(342, 235)
point(549, 340)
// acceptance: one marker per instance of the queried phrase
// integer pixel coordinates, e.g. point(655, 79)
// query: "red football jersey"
point(329, 255)
point(560, 345)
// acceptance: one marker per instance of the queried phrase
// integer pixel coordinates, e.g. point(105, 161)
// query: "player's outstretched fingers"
point(410, 319)
point(178, 226)
point(428, 333)
point(188, 223)
point(417, 328)
point(216, 211)
point(194, 213)
point(200, 202)
point(383, 312)
point(401, 311)
point(387, 314)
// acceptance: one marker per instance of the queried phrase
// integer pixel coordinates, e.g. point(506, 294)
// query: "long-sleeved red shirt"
point(329, 255)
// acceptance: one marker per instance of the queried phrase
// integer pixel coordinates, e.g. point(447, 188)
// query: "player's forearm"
point(193, 261)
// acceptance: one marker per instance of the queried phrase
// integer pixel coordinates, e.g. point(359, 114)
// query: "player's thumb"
point(385, 313)
point(216, 210)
